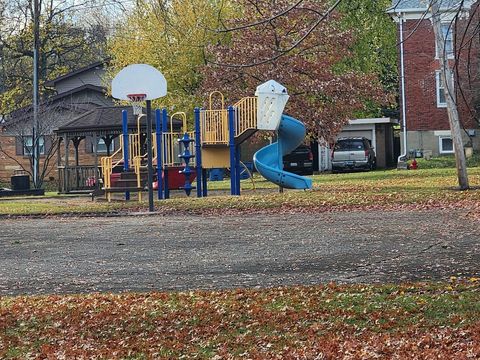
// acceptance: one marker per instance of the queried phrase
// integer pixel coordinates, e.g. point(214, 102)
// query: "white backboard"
point(139, 79)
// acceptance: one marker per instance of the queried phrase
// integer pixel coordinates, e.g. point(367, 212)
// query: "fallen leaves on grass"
point(380, 190)
point(331, 322)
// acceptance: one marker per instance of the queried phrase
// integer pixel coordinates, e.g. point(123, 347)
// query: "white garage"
point(378, 130)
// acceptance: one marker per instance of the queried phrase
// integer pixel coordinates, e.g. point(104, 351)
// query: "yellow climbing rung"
point(245, 114)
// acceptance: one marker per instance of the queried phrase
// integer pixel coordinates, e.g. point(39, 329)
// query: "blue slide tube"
point(268, 160)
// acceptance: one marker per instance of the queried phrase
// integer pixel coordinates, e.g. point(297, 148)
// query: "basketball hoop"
point(137, 101)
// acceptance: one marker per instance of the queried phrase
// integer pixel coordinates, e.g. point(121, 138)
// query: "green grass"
point(388, 188)
point(446, 161)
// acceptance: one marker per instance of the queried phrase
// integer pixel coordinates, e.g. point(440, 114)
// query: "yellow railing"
point(214, 123)
point(106, 163)
point(134, 146)
point(137, 163)
point(171, 144)
point(245, 114)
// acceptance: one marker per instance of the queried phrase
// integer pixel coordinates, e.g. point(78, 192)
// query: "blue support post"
point(198, 152)
point(231, 143)
point(166, 191)
point(237, 169)
point(125, 146)
point(159, 135)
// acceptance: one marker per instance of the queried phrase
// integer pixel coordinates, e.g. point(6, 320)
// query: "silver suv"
point(353, 153)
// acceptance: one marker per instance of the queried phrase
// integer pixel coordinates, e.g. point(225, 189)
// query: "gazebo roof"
point(104, 120)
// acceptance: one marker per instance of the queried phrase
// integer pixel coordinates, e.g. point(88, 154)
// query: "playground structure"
point(213, 143)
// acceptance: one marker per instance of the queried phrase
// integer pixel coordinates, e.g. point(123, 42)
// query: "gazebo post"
point(76, 142)
point(95, 158)
point(66, 186)
point(59, 162)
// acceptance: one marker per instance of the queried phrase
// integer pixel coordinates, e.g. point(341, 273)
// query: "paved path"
point(141, 253)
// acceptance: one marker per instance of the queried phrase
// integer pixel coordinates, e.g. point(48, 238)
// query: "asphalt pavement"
point(145, 253)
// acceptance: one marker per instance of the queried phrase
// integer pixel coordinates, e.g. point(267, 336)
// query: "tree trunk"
point(447, 78)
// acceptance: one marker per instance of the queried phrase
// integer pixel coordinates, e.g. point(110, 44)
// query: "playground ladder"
point(135, 157)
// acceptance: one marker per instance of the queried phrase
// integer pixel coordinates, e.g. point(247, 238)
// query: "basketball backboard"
point(139, 79)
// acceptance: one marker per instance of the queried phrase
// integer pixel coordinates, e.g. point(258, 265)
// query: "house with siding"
point(423, 105)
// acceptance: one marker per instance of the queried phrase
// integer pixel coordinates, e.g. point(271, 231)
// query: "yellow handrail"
point(106, 163)
point(245, 114)
point(184, 121)
point(137, 162)
point(210, 102)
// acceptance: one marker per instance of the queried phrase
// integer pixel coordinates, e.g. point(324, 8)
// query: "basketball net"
point(137, 102)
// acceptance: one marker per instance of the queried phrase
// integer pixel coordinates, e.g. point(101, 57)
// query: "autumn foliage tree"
point(303, 49)
point(66, 44)
point(171, 36)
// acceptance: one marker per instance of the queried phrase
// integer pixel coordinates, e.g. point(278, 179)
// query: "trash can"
point(216, 175)
point(20, 182)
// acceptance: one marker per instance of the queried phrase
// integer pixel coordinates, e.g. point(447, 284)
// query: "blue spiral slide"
point(269, 159)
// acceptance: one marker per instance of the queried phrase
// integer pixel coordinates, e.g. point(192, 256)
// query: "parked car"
point(299, 161)
point(353, 153)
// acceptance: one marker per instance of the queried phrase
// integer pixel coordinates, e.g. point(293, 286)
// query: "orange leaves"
point(338, 321)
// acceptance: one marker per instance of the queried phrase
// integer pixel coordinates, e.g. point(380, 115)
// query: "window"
point(28, 145)
point(447, 34)
point(445, 144)
point(441, 95)
point(350, 145)
point(102, 148)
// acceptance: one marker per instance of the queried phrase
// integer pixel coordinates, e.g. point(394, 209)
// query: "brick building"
point(425, 104)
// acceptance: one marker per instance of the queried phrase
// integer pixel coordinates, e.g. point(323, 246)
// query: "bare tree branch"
point(283, 52)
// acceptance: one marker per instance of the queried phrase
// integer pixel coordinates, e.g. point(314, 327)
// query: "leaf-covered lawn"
point(433, 320)
point(389, 190)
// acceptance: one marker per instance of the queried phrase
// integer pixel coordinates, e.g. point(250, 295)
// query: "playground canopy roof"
point(105, 120)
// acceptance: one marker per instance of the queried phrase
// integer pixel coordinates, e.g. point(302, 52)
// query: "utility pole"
point(447, 78)
point(36, 133)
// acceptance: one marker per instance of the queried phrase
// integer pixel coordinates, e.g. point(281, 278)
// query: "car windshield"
point(349, 145)
point(301, 149)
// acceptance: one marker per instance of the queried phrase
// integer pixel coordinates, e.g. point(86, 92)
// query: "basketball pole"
point(149, 156)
